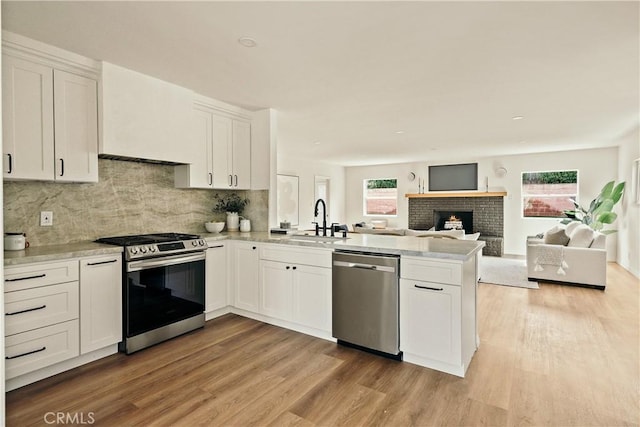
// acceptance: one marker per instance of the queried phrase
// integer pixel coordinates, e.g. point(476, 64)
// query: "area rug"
point(505, 272)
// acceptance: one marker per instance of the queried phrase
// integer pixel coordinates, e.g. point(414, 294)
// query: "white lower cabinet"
point(430, 320)
point(295, 287)
point(276, 289)
point(245, 275)
point(312, 297)
point(100, 302)
point(438, 313)
point(216, 294)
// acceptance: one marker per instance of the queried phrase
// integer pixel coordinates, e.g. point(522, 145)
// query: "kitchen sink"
point(313, 238)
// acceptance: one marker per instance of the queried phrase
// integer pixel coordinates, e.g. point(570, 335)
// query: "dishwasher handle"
point(373, 267)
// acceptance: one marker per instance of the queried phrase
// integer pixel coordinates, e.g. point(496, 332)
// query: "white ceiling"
point(345, 77)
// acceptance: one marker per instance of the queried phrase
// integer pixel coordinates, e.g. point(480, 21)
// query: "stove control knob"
point(194, 243)
point(143, 249)
point(152, 249)
point(201, 242)
point(133, 250)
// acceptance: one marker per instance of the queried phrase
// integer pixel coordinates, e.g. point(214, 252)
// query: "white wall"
point(307, 170)
point(629, 212)
point(596, 167)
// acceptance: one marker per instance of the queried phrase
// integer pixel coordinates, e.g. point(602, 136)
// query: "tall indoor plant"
point(600, 211)
point(232, 205)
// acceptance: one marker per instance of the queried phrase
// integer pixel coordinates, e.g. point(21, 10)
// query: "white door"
point(222, 152)
point(245, 276)
point(201, 169)
point(76, 127)
point(241, 155)
point(216, 276)
point(100, 302)
point(430, 320)
point(27, 115)
point(275, 289)
point(312, 297)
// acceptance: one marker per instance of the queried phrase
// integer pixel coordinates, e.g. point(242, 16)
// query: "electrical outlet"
point(46, 218)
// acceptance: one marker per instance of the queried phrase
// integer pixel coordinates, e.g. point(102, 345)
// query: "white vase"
point(233, 221)
point(245, 225)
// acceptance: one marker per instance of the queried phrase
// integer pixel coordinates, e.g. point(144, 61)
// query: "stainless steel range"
point(163, 287)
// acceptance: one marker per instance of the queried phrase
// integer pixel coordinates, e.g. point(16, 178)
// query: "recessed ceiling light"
point(247, 42)
point(399, 131)
point(517, 117)
point(317, 142)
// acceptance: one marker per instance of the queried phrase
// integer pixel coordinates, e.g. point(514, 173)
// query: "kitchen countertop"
point(58, 252)
point(396, 245)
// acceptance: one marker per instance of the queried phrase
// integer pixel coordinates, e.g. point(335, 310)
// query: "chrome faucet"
point(324, 217)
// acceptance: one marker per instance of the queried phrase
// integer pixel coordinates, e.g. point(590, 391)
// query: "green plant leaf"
point(596, 225)
point(608, 231)
point(605, 193)
point(570, 214)
point(617, 192)
point(607, 217)
point(606, 206)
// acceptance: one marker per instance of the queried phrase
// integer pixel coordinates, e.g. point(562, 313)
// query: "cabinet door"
point(216, 277)
point(430, 320)
point(276, 283)
point(100, 302)
point(76, 127)
point(241, 155)
point(245, 276)
point(312, 297)
point(222, 152)
point(27, 115)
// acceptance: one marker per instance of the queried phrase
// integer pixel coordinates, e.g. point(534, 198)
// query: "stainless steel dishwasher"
point(365, 301)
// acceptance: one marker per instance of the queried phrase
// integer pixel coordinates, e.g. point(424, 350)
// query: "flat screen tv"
point(453, 177)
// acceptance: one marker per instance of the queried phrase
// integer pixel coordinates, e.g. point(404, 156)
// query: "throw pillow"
point(455, 234)
point(581, 237)
point(556, 236)
point(571, 227)
point(473, 236)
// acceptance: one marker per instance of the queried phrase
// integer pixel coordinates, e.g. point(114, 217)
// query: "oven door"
point(164, 290)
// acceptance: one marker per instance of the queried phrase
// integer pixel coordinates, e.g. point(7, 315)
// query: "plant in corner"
point(600, 210)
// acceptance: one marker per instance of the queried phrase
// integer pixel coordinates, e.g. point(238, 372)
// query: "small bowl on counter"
point(214, 227)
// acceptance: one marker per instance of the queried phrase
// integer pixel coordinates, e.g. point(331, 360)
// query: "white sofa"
point(581, 261)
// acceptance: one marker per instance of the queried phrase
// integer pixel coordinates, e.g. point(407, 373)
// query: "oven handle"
point(164, 261)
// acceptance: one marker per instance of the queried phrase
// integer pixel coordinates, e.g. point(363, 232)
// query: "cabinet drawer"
point(37, 307)
point(39, 274)
point(296, 255)
point(42, 347)
point(439, 271)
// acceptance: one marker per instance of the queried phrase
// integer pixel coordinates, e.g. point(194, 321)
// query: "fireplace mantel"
point(466, 194)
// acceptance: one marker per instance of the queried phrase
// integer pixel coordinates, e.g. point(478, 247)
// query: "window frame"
point(524, 196)
point(364, 198)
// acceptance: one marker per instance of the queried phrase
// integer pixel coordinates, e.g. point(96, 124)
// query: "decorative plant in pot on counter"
point(231, 204)
point(600, 210)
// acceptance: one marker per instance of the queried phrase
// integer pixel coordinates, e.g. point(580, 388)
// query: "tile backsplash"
point(130, 198)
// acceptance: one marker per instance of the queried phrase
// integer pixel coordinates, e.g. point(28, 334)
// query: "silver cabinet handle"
point(364, 266)
point(61, 167)
point(10, 163)
point(429, 288)
point(236, 179)
point(230, 181)
point(164, 261)
point(26, 354)
point(13, 313)
point(210, 178)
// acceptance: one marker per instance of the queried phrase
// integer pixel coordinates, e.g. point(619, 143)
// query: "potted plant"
point(600, 210)
point(232, 205)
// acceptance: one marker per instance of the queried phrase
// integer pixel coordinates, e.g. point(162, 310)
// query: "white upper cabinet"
point(76, 127)
point(50, 113)
point(223, 146)
point(146, 118)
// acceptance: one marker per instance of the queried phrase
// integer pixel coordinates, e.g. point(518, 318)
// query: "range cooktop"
point(156, 244)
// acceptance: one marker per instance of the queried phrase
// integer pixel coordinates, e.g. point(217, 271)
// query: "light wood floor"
point(554, 356)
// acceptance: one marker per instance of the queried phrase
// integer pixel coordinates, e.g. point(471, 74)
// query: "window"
point(380, 197)
point(548, 194)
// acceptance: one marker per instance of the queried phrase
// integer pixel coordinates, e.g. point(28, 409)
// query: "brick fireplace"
point(488, 215)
